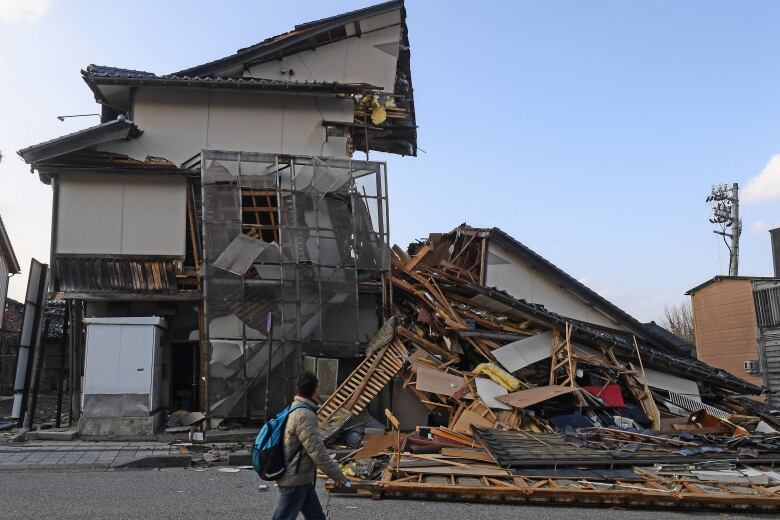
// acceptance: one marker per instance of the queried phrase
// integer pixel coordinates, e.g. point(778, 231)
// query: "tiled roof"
point(652, 356)
point(300, 32)
point(12, 317)
point(109, 131)
point(99, 75)
point(673, 338)
point(106, 71)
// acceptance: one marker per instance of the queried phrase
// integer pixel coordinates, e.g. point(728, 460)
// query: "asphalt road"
point(210, 494)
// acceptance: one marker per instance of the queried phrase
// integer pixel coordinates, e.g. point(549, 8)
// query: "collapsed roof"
point(467, 236)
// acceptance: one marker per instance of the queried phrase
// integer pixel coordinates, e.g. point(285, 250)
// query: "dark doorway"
point(184, 376)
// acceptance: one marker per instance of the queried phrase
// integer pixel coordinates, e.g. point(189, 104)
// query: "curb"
point(152, 462)
point(49, 467)
point(156, 461)
point(239, 458)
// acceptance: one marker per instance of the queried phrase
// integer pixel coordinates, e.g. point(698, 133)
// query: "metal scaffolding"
point(296, 253)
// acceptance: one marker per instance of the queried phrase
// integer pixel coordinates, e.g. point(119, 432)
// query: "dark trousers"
point(295, 499)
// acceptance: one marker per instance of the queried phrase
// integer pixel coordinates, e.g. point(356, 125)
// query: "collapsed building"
point(522, 404)
point(213, 232)
point(213, 236)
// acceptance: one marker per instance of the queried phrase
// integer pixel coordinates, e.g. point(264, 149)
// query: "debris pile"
point(523, 404)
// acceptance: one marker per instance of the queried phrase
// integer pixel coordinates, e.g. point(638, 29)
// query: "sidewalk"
point(91, 455)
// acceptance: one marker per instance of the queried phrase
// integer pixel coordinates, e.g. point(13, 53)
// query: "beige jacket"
point(303, 433)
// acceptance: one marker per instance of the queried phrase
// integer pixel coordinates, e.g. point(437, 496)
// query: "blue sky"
point(590, 131)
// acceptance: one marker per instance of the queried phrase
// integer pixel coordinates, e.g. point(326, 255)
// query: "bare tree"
point(678, 319)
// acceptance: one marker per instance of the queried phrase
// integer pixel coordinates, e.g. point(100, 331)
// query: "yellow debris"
point(499, 375)
point(378, 115)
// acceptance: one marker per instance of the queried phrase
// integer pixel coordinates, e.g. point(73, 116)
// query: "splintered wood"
point(648, 493)
point(564, 360)
point(366, 381)
point(500, 379)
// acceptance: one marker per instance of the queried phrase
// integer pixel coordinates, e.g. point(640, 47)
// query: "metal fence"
point(297, 245)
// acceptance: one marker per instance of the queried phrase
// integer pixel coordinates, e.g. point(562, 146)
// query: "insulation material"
point(521, 353)
point(498, 375)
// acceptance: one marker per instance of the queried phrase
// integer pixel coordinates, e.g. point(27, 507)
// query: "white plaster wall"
point(178, 123)
point(521, 281)
point(371, 58)
point(121, 214)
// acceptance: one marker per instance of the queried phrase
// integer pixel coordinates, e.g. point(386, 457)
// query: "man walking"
point(304, 448)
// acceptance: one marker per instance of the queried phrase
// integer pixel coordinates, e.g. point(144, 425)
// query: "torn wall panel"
point(524, 352)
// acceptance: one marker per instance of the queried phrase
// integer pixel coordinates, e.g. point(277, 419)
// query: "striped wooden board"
point(366, 381)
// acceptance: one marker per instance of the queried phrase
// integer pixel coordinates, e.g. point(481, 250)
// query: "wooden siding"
point(725, 323)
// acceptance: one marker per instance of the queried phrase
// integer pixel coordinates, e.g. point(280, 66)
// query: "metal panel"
point(775, 234)
point(116, 405)
point(122, 359)
point(770, 358)
point(30, 334)
point(766, 298)
point(238, 257)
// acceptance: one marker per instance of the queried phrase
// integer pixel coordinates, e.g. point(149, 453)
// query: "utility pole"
point(725, 212)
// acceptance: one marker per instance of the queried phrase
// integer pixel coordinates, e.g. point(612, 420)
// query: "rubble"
point(530, 406)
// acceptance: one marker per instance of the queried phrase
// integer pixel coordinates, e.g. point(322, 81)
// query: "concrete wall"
point(179, 123)
point(508, 272)
point(121, 214)
point(725, 324)
point(371, 58)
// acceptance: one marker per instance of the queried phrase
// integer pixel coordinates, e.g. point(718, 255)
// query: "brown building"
point(737, 324)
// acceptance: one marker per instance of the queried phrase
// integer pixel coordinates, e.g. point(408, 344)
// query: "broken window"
point(260, 214)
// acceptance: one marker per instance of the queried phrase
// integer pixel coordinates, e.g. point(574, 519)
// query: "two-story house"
point(214, 228)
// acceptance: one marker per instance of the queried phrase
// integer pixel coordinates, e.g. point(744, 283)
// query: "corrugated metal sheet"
point(111, 275)
point(766, 298)
point(692, 405)
point(770, 346)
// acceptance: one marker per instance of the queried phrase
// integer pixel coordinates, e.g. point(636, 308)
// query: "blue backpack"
point(268, 450)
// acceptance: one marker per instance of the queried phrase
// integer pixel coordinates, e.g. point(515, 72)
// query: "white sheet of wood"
point(524, 352)
point(436, 381)
point(488, 390)
point(675, 384)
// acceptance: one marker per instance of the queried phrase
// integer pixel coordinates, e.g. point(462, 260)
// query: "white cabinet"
point(123, 366)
